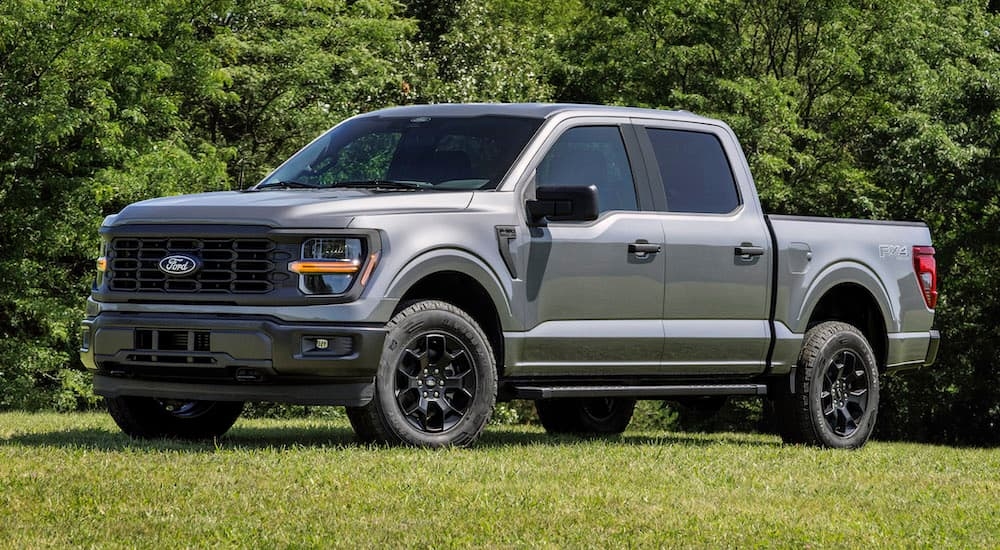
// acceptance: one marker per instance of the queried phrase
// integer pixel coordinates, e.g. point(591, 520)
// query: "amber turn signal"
point(307, 267)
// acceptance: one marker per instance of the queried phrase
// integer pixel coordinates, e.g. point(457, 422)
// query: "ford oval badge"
point(178, 265)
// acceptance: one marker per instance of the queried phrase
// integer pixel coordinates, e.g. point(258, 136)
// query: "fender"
point(842, 272)
point(461, 261)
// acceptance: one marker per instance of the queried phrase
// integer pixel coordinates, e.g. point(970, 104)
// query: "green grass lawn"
point(74, 480)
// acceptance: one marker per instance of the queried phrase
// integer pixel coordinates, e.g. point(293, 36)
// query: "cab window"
point(591, 155)
point(695, 172)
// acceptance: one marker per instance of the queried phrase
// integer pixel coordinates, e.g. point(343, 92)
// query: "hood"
point(288, 208)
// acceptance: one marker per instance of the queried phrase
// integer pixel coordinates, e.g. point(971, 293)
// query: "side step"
point(642, 392)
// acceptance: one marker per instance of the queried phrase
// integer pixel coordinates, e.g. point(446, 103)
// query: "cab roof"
point(528, 110)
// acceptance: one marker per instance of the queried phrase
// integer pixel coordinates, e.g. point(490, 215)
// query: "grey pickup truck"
point(419, 264)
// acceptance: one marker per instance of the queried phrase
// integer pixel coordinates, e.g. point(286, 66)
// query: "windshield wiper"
point(288, 185)
point(383, 184)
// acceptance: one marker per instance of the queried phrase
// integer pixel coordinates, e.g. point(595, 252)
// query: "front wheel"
point(148, 418)
point(436, 383)
point(837, 390)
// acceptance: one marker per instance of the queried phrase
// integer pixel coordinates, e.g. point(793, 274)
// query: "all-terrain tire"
point(150, 418)
point(436, 384)
point(586, 415)
point(837, 390)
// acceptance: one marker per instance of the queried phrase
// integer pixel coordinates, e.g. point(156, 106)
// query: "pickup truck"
point(419, 264)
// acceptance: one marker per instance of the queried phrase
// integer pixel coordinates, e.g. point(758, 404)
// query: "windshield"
point(409, 153)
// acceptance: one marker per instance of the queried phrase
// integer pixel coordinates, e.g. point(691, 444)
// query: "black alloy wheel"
point(844, 397)
point(435, 382)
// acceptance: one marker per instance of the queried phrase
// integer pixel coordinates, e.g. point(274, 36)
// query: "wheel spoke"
point(849, 424)
point(456, 381)
point(410, 401)
point(437, 353)
point(844, 393)
point(830, 376)
point(412, 362)
point(447, 409)
point(411, 382)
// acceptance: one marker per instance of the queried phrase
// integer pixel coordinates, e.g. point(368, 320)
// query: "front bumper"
point(231, 358)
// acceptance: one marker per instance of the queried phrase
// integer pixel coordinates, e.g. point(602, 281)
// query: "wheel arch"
point(854, 302)
point(461, 279)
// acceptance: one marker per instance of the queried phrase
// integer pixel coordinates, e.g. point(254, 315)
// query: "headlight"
point(330, 265)
point(102, 264)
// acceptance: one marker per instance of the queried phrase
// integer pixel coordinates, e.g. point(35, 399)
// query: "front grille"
point(234, 266)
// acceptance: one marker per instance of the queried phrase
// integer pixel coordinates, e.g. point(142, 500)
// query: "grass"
point(74, 480)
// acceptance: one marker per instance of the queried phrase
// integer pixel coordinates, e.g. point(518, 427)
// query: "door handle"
point(641, 248)
point(747, 250)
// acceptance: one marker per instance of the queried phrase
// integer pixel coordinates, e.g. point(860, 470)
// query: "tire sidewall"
point(840, 341)
point(411, 324)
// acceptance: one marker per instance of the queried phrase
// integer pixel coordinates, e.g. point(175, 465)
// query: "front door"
point(594, 290)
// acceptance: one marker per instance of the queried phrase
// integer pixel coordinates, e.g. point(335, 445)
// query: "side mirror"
point(562, 203)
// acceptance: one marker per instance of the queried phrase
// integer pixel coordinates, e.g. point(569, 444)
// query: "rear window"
point(695, 172)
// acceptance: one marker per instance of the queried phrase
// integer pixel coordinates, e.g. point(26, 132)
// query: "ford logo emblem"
point(178, 265)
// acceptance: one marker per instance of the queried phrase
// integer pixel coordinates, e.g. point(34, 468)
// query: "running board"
point(641, 392)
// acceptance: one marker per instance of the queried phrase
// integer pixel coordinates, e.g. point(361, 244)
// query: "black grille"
point(172, 344)
point(237, 266)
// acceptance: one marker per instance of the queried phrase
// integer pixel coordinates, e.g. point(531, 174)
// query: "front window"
point(592, 155)
point(447, 153)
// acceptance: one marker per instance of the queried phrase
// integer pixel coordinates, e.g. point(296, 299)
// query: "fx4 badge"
point(178, 265)
point(893, 251)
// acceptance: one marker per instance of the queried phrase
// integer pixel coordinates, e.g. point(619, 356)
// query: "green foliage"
point(293, 69)
point(492, 51)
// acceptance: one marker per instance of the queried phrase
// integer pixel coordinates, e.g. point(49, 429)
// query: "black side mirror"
point(562, 203)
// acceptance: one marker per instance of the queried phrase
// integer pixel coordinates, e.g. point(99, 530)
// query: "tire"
point(436, 383)
point(149, 418)
point(837, 390)
point(597, 415)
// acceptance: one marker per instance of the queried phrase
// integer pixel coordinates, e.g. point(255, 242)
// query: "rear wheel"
point(147, 417)
point(837, 390)
point(588, 415)
point(436, 383)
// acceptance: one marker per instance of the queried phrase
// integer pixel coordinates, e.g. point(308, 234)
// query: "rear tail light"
point(926, 269)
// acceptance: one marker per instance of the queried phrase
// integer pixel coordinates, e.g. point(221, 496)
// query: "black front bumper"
point(231, 358)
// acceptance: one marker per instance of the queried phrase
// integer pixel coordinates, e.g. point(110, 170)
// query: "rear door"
point(717, 250)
